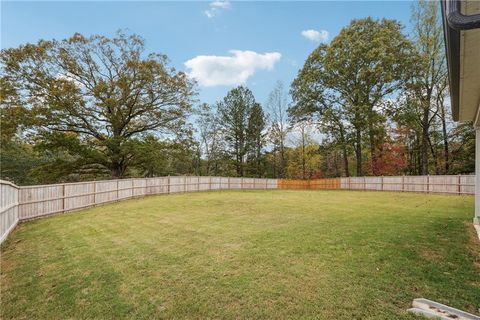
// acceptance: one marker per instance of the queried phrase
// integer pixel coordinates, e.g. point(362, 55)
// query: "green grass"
point(245, 254)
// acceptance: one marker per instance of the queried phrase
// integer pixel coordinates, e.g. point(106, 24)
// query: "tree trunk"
point(335, 161)
point(274, 166)
point(425, 143)
point(238, 166)
point(303, 153)
point(446, 151)
point(116, 170)
point(239, 158)
point(434, 155)
point(373, 154)
point(259, 152)
point(345, 161)
point(358, 152)
point(344, 151)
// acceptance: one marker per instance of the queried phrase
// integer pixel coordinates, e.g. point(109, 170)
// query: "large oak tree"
point(105, 91)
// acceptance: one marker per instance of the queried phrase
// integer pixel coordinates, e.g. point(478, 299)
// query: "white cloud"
point(209, 13)
point(235, 69)
point(216, 7)
point(212, 12)
point(223, 4)
point(71, 78)
point(314, 35)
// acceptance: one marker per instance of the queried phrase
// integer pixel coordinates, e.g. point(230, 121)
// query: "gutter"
point(458, 20)
point(453, 23)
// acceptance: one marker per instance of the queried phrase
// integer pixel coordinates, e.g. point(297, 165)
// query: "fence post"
point(94, 192)
point(266, 183)
point(132, 187)
point(403, 183)
point(459, 184)
point(63, 197)
point(210, 183)
point(382, 182)
point(168, 184)
point(228, 183)
point(364, 183)
point(428, 183)
point(241, 183)
point(117, 190)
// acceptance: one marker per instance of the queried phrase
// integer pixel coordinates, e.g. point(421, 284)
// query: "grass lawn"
point(245, 254)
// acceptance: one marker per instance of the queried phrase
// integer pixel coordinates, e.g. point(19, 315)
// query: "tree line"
point(371, 102)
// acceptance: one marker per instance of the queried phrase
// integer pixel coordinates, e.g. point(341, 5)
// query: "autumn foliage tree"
point(104, 91)
point(346, 82)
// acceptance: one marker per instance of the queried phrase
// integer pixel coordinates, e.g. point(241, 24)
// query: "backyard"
point(245, 254)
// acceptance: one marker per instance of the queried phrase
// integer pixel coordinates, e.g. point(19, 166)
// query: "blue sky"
point(267, 35)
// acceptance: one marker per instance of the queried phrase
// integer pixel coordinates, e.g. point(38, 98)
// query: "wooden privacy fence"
point(458, 184)
point(37, 201)
point(23, 203)
point(324, 184)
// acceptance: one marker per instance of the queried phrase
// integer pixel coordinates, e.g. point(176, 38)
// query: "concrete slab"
point(427, 314)
point(477, 227)
point(432, 309)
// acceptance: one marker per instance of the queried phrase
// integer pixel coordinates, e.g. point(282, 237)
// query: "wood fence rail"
point(23, 203)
